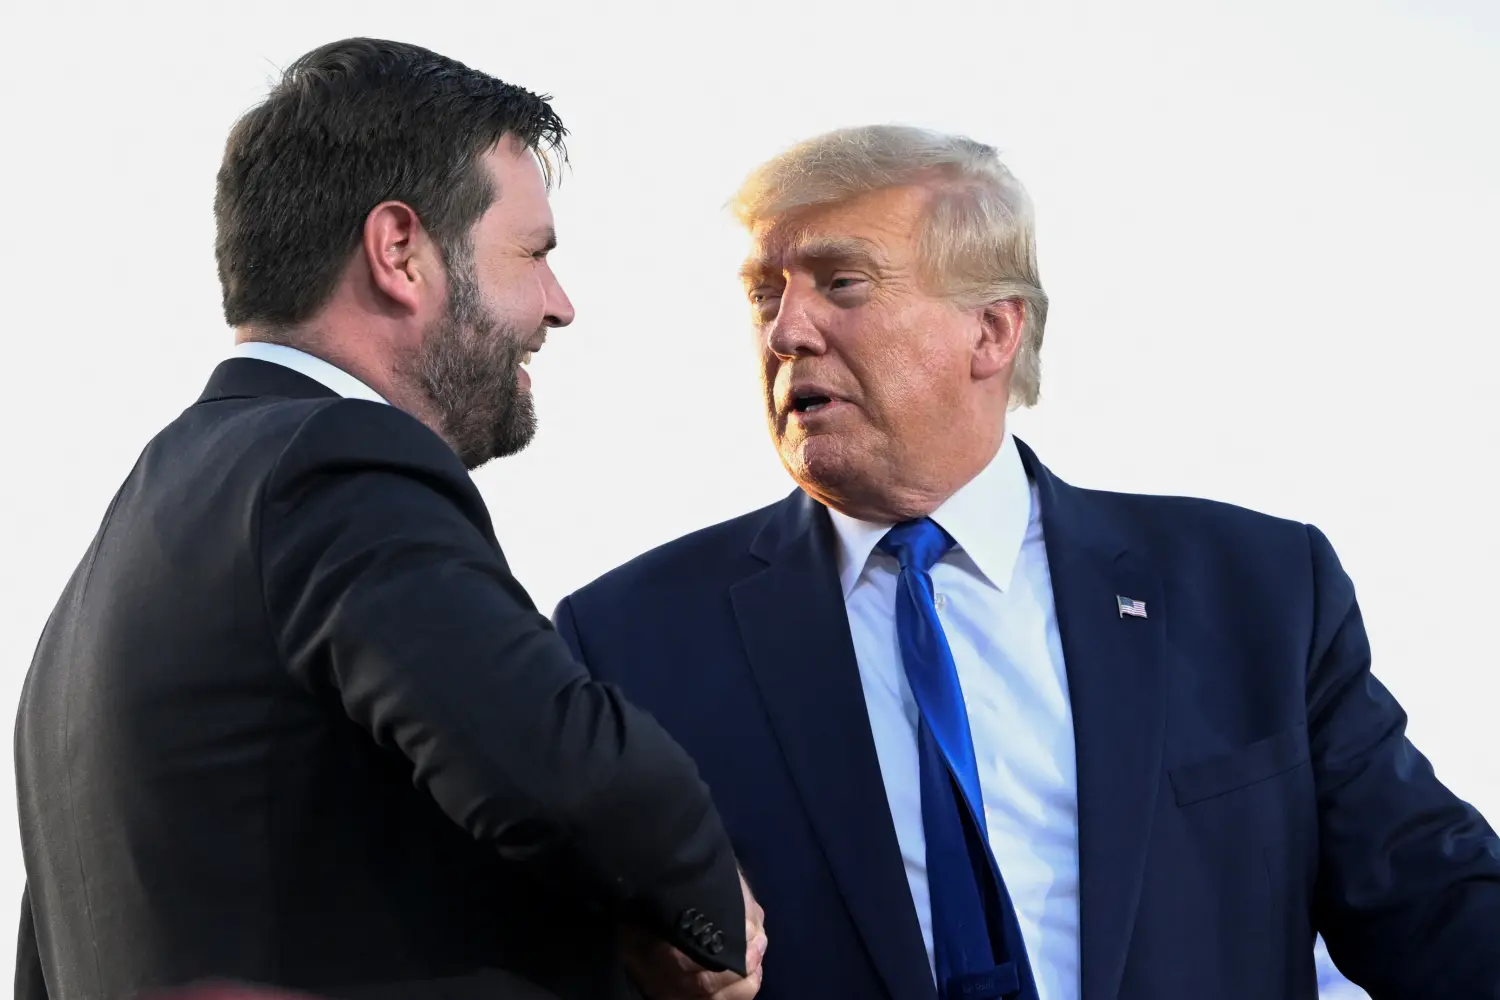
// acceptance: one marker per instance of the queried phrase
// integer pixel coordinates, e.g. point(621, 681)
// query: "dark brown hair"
point(350, 125)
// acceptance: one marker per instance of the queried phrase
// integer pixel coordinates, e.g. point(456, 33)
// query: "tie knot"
point(917, 544)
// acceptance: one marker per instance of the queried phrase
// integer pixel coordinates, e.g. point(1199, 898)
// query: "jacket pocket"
point(1228, 772)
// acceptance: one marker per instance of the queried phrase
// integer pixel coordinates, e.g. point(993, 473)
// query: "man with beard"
point(293, 721)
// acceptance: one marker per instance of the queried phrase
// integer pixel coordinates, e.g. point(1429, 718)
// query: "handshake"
point(660, 971)
point(663, 973)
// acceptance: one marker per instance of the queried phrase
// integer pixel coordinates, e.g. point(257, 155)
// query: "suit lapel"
point(1117, 684)
point(796, 633)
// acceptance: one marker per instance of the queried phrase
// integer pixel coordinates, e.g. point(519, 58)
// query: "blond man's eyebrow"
point(818, 250)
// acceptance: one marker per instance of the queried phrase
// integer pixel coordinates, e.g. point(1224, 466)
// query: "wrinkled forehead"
point(875, 231)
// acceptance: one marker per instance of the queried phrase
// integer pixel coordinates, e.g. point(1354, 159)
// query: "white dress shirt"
point(316, 369)
point(994, 597)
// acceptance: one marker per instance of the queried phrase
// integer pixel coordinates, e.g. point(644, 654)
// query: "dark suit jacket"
point(1243, 780)
point(293, 722)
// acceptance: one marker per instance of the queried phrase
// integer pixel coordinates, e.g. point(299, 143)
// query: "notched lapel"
point(1116, 666)
point(796, 634)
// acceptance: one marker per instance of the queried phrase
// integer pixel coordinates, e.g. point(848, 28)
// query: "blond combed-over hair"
point(977, 243)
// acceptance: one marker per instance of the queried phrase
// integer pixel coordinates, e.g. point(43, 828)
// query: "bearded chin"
point(469, 367)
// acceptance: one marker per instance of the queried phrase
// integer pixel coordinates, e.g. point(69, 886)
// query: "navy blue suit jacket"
point(1243, 780)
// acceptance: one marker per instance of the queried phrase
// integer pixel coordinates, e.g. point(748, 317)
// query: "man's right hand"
point(664, 973)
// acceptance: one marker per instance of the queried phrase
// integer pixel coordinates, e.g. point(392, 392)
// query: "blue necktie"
point(977, 947)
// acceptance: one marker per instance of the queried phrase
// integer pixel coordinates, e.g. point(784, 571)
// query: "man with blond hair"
point(972, 726)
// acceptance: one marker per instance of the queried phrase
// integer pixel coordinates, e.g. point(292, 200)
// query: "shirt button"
point(941, 600)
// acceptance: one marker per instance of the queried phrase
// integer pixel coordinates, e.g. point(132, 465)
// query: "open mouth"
point(526, 358)
point(810, 403)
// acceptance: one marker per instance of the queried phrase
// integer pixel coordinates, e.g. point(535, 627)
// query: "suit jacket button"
point(688, 919)
point(716, 943)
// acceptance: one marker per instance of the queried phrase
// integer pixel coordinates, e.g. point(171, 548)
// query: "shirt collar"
point(315, 368)
point(987, 518)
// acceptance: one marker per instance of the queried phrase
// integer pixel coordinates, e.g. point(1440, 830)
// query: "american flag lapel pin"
point(1130, 606)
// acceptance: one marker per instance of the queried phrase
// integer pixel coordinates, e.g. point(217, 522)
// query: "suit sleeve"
point(30, 983)
point(567, 627)
point(1408, 894)
point(386, 591)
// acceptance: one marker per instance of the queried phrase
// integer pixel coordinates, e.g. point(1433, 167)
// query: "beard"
point(469, 367)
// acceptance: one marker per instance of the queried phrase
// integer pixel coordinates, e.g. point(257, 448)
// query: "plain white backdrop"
point(1270, 232)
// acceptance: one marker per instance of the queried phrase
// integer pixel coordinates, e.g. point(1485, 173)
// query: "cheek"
point(908, 368)
point(767, 365)
point(770, 364)
point(518, 294)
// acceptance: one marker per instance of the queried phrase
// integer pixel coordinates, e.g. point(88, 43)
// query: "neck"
point(385, 378)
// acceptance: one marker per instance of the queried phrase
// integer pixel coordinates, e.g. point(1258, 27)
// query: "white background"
point(1269, 231)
